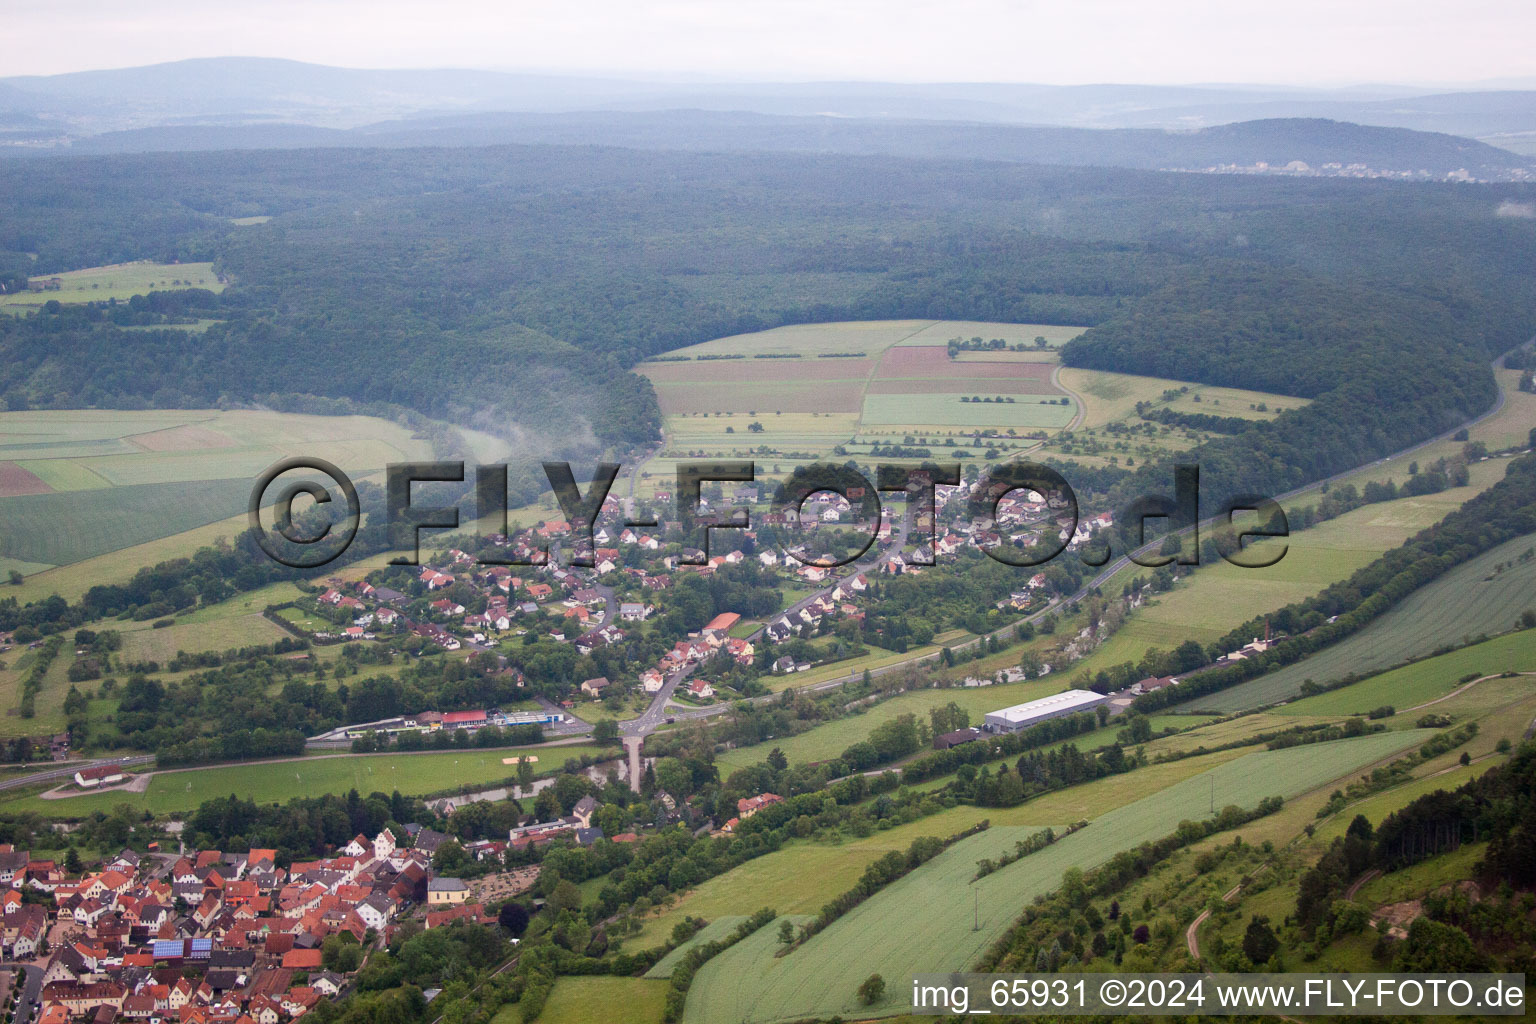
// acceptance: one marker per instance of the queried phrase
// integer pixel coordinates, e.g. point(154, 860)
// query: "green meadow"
point(818, 979)
point(1468, 601)
point(172, 792)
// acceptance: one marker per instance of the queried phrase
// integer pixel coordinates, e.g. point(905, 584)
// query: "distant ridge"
point(1316, 143)
point(242, 90)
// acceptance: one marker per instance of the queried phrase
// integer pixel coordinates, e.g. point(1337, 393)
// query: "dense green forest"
point(509, 288)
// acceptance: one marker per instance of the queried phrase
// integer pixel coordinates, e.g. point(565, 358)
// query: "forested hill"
point(510, 287)
point(1277, 142)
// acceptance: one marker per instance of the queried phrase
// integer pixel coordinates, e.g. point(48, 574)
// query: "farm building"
point(101, 775)
point(1022, 716)
point(722, 623)
point(1152, 683)
point(944, 741)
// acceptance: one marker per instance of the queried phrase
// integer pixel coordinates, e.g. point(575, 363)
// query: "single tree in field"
point(871, 990)
point(786, 932)
point(513, 916)
point(1259, 941)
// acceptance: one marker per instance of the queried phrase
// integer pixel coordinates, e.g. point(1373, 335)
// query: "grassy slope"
point(719, 928)
point(1217, 597)
point(587, 1000)
point(818, 979)
point(130, 478)
point(1425, 680)
point(1466, 602)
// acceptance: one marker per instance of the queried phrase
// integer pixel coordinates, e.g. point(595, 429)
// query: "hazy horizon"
point(704, 78)
point(1308, 44)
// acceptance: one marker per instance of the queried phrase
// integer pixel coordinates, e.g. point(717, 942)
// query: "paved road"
point(1104, 575)
point(31, 988)
point(657, 713)
point(882, 553)
point(68, 772)
point(1079, 400)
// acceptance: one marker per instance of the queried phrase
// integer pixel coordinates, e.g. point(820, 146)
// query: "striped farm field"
point(947, 410)
point(887, 376)
point(17, 480)
point(681, 397)
point(989, 388)
point(933, 361)
point(66, 527)
point(66, 474)
point(1212, 601)
point(747, 984)
point(1470, 600)
point(82, 484)
point(1422, 681)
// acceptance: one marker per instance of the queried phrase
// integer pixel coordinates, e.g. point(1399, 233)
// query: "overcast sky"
point(1302, 42)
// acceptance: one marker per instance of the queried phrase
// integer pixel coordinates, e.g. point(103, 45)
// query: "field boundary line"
point(1463, 688)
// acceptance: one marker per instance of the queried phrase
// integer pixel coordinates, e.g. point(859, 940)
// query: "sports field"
point(276, 781)
point(82, 484)
point(1470, 600)
point(119, 281)
point(878, 936)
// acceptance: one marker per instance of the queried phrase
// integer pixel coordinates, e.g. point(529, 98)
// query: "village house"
point(748, 806)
